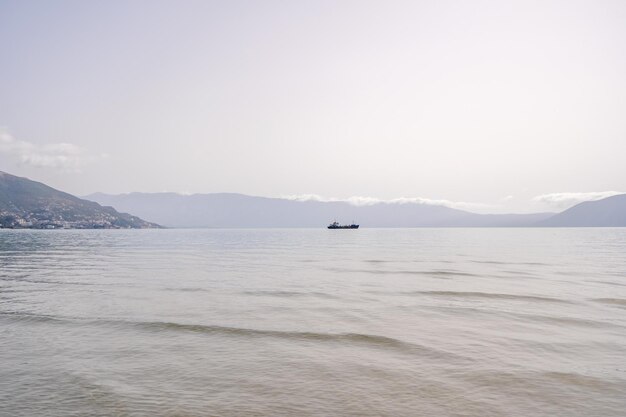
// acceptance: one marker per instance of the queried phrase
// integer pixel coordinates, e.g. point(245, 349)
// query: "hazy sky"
point(502, 104)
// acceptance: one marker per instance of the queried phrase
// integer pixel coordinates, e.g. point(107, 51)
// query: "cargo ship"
point(335, 225)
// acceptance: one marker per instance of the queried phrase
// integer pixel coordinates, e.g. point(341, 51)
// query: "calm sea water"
point(378, 322)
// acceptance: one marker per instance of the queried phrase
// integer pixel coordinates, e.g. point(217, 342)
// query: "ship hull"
point(352, 226)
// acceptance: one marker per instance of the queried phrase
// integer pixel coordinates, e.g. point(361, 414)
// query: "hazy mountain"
point(237, 210)
point(30, 204)
point(608, 212)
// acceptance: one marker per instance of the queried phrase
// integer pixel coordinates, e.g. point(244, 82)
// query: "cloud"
point(368, 201)
point(63, 156)
point(306, 197)
point(569, 199)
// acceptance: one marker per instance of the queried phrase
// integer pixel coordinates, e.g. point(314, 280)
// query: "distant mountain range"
point(237, 210)
point(30, 204)
point(608, 212)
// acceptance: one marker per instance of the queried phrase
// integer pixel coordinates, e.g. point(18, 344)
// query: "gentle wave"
point(570, 321)
point(614, 301)
point(474, 294)
point(542, 318)
point(290, 294)
point(40, 281)
point(557, 380)
point(16, 316)
point(434, 272)
point(619, 284)
point(510, 263)
point(187, 289)
point(369, 340)
point(374, 341)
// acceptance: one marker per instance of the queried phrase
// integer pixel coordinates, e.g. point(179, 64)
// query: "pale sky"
point(494, 106)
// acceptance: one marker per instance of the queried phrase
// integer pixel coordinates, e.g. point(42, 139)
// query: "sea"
point(306, 322)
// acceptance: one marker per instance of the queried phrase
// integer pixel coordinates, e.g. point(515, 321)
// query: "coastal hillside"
point(238, 210)
point(27, 204)
point(608, 212)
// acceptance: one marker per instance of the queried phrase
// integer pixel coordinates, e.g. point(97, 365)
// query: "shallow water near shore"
point(302, 322)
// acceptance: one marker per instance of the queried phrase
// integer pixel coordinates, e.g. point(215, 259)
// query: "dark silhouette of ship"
point(335, 225)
